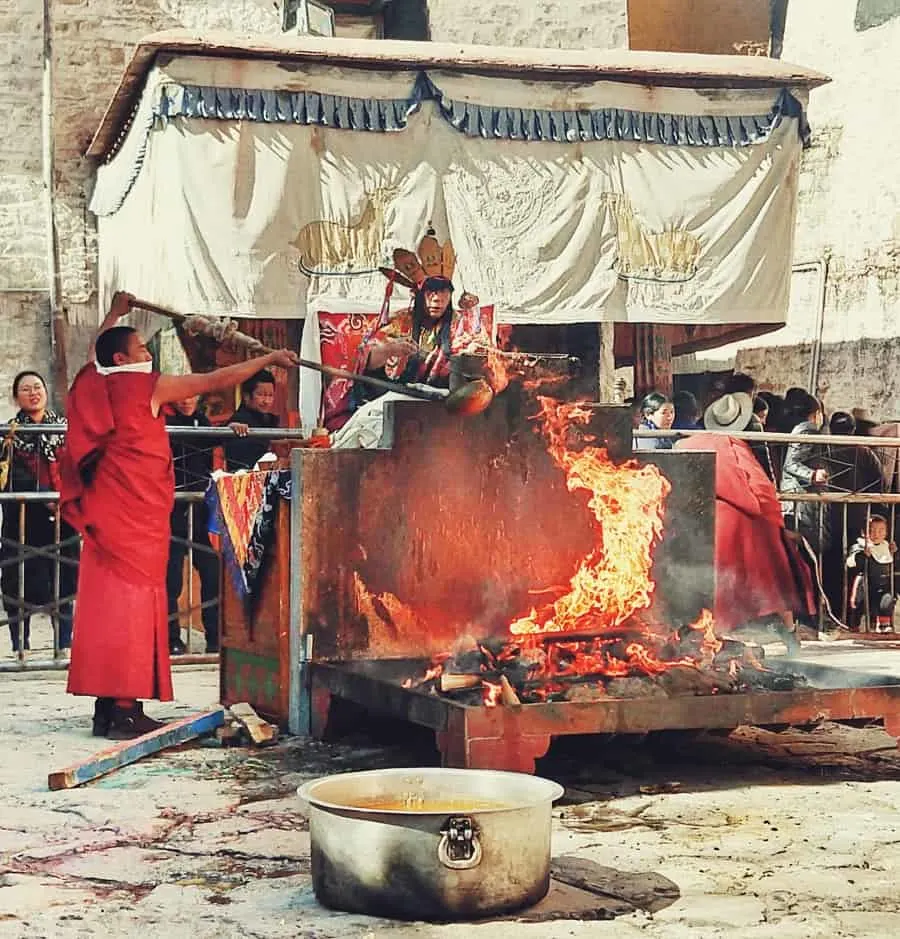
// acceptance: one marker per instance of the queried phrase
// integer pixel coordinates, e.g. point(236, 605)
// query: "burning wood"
point(593, 638)
point(508, 696)
point(625, 663)
point(450, 681)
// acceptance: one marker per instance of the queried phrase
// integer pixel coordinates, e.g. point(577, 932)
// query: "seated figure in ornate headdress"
point(417, 344)
point(414, 346)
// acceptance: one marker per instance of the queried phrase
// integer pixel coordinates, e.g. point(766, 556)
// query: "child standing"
point(871, 563)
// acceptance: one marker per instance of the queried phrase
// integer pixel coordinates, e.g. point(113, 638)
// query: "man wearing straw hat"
point(117, 489)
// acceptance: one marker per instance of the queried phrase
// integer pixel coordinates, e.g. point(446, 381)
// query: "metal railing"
point(18, 553)
point(844, 512)
point(39, 556)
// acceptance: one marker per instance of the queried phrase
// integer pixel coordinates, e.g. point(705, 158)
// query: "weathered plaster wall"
point(554, 24)
point(24, 340)
point(92, 40)
point(849, 211)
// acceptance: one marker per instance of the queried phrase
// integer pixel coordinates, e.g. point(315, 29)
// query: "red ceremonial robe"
point(756, 574)
point(117, 488)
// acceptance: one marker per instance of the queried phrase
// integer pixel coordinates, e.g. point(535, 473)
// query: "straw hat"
point(730, 412)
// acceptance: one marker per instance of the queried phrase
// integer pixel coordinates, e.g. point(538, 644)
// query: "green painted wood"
point(129, 751)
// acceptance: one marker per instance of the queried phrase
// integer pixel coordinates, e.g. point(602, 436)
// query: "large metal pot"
point(431, 844)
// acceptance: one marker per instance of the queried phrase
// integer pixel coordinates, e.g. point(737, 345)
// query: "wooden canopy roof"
point(562, 65)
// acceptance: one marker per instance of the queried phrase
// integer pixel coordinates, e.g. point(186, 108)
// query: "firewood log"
point(450, 681)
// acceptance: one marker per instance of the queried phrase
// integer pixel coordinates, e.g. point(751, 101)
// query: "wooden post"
point(606, 365)
point(652, 360)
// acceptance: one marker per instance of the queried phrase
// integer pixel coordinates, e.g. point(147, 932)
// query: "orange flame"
point(613, 582)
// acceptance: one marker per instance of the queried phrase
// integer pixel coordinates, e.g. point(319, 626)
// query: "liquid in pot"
point(425, 806)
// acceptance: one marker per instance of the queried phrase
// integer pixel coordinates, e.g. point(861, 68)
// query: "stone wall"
point(555, 24)
point(849, 213)
point(23, 262)
point(24, 341)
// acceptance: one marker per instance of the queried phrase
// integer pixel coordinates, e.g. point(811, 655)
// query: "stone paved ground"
point(753, 839)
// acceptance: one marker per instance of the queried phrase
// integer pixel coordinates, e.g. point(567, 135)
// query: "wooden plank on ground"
point(129, 751)
point(261, 732)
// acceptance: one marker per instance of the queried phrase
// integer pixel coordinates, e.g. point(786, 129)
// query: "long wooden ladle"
point(471, 398)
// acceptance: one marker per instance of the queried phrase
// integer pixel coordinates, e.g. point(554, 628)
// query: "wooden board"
point(129, 751)
point(259, 730)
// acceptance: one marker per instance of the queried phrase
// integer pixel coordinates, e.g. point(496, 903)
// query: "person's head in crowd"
point(740, 382)
point(842, 423)
point(187, 406)
point(121, 345)
point(776, 414)
point(258, 392)
point(877, 529)
point(864, 426)
point(657, 411)
point(29, 391)
point(793, 395)
point(687, 410)
point(761, 410)
point(732, 412)
point(807, 410)
point(714, 390)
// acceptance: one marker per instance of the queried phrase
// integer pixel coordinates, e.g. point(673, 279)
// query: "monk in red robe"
point(758, 571)
point(117, 489)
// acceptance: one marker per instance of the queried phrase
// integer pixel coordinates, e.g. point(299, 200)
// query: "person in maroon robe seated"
point(758, 570)
point(117, 489)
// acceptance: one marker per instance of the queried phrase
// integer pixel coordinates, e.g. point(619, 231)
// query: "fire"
point(613, 582)
point(593, 636)
point(490, 694)
point(498, 370)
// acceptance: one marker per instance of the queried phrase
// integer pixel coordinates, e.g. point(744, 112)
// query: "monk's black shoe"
point(129, 722)
point(103, 708)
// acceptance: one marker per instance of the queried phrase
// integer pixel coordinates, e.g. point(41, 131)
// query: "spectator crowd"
point(839, 555)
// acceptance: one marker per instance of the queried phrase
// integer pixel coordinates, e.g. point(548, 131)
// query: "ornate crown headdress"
point(433, 260)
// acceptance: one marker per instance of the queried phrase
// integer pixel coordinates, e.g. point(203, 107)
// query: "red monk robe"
point(117, 489)
point(757, 571)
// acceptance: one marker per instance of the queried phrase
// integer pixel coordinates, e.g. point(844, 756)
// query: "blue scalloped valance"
point(383, 115)
point(477, 120)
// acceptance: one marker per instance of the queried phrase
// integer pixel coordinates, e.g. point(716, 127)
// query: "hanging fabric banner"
point(246, 189)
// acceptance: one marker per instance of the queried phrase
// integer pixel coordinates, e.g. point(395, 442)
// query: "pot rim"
point(306, 791)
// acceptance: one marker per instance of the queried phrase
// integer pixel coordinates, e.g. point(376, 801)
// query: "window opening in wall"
point(307, 18)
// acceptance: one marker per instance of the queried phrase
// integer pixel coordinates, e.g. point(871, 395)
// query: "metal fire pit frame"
point(505, 738)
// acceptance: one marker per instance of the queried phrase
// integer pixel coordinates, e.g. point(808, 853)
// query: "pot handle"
point(459, 847)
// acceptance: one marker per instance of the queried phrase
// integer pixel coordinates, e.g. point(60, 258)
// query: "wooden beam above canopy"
point(669, 69)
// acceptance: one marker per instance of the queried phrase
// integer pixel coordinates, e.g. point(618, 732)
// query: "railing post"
point(190, 575)
point(299, 704)
point(20, 624)
point(55, 614)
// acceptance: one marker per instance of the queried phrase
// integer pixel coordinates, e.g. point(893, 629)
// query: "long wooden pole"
point(255, 347)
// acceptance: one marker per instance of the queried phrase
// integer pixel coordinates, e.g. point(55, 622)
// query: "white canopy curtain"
point(269, 189)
